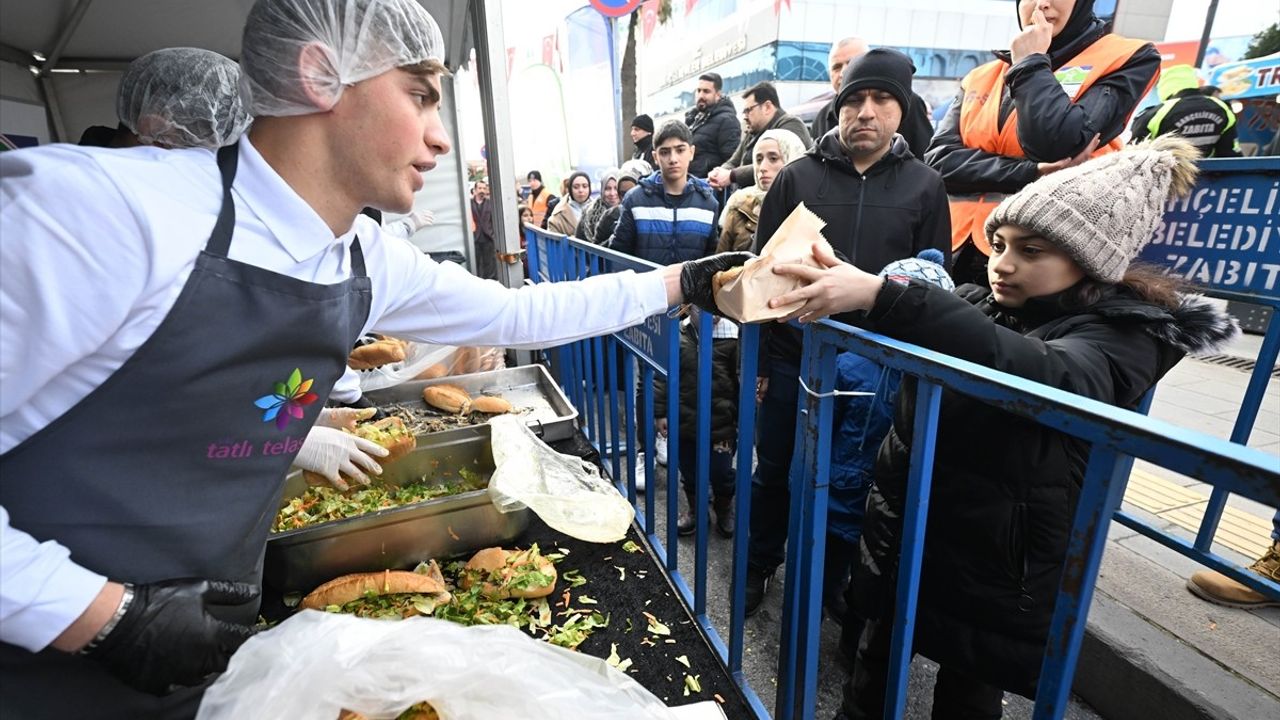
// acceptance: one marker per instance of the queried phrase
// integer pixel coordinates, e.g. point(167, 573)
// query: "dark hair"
point(576, 174)
point(1148, 283)
point(534, 175)
point(672, 129)
point(764, 92)
point(1210, 90)
point(716, 81)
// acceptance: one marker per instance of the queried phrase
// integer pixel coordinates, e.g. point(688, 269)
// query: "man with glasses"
point(762, 112)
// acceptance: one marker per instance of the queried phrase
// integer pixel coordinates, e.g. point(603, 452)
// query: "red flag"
point(511, 61)
point(649, 17)
point(777, 6)
point(688, 6)
point(548, 49)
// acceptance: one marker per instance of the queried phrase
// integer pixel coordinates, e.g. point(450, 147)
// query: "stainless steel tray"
point(529, 388)
point(396, 538)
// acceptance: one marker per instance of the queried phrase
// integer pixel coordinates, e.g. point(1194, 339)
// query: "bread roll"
point(343, 590)
point(502, 571)
point(377, 354)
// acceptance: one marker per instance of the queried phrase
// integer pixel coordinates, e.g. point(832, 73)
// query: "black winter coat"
point(1050, 126)
point(1005, 488)
point(724, 389)
point(915, 127)
point(716, 133)
point(893, 212)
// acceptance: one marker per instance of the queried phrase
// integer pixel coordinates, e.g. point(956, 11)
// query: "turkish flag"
point(649, 17)
point(548, 49)
point(688, 6)
point(511, 60)
point(777, 6)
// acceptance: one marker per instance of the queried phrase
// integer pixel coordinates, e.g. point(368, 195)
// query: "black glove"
point(167, 636)
point(695, 277)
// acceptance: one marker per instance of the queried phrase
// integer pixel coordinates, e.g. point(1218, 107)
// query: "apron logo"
point(287, 401)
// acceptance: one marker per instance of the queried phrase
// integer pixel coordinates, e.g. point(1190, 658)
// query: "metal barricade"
point(598, 375)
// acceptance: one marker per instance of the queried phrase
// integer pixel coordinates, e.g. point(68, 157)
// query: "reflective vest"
point(539, 205)
point(980, 123)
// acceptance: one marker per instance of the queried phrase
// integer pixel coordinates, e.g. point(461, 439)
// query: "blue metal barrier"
point(1225, 237)
point(1117, 436)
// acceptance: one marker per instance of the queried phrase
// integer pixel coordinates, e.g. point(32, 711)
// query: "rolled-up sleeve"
point(41, 590)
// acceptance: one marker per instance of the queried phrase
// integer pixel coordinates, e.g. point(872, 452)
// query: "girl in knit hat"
point(1066, 309)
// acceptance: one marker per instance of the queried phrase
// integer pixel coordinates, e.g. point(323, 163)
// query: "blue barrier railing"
point(591, 370)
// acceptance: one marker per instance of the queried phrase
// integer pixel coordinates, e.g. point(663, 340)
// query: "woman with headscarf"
point(772, 152)
point(589, 224)
point(564, 217)
point(1061, 94)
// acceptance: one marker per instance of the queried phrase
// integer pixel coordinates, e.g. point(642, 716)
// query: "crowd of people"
point(991, 239)
point(967, 221)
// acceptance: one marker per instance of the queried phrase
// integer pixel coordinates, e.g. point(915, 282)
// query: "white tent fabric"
point(102, 36)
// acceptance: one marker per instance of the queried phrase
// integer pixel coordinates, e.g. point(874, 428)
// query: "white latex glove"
point(343, 417)
point(332, 453)
point(419, 219)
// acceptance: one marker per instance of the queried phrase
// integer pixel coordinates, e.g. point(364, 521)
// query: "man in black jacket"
point(915, 127)
point(880, 204)
point(715, 126)
point(642, 138)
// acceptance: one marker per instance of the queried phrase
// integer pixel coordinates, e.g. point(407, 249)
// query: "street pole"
point(1208, 28)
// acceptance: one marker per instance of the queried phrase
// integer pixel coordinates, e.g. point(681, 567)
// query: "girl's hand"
point(1034, 38)
point(835, 288)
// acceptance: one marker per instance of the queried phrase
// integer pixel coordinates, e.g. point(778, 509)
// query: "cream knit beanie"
point(1105, 210)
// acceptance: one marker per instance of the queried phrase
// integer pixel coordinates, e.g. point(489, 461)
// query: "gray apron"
point(174, 466)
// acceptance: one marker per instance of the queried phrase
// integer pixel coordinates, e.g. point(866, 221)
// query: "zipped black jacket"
point(1005, 488)
point(895, 210)
point(1050, 126)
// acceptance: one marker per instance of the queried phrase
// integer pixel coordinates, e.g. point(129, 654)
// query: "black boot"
point(686, 523)
point(725, 520)
point(757, 587)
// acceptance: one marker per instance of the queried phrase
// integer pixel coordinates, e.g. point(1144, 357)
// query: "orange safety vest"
point(539, 205)
point(980, 123)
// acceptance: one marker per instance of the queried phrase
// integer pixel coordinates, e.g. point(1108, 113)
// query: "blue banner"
point(1226, 234)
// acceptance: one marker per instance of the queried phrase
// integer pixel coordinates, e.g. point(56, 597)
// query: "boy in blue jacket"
point(859, 426)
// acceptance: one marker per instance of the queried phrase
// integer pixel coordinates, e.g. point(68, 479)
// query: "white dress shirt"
point(96, 244)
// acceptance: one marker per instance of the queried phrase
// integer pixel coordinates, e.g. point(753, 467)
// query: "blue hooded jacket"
point(861, 424)
point(663, 229)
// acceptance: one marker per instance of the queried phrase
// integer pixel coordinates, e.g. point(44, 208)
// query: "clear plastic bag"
point(565, 491)
point(316, 664)
point(425, 362)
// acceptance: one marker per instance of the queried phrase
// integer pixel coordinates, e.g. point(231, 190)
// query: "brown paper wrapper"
point(746, 297)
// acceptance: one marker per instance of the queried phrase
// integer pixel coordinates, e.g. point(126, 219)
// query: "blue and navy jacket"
point(861, 423)
point(659, 228)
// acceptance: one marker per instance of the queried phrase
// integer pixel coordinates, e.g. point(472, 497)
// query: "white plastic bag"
point(565, 491)
point(423, 361)
point(316, 664)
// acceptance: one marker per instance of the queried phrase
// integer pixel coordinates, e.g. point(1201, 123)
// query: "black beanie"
point(644, 122)
point(878, 69)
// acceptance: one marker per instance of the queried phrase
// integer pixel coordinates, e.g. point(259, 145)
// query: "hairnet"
point(355, 40)
point(183, 97)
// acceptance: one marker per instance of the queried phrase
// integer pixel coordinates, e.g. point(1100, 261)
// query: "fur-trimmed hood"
point(1196, 326)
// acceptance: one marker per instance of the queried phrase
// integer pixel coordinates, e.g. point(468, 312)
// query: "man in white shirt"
point(173, 324)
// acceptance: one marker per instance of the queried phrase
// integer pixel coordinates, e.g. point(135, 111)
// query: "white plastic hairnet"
point(183, 97)
point(353, 40)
